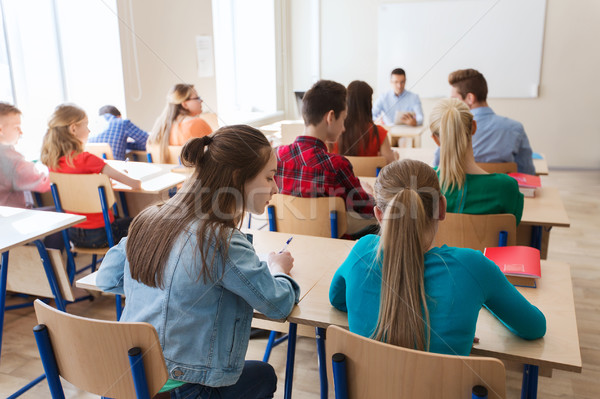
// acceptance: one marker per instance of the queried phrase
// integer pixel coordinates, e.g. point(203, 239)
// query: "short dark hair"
point(109, 109)
point(469, 81)
point(323, 96)
point(398, 71)
point(8, 109)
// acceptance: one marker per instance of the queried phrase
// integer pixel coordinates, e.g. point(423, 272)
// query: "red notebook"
point(527, 183)
point(520, 264)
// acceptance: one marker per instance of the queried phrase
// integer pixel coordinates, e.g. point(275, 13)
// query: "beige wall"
point(165, 34)
point(561, 123)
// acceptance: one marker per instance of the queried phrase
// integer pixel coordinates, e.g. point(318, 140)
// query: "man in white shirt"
point(398, 99)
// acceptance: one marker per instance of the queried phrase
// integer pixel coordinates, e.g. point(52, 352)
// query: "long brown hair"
point(408, 193)
point(161, 131)
point(452, 123)
point(224, 161)
point(359, 127)
point(58, 140)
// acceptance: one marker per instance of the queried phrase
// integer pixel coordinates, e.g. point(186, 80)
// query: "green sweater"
point(486, 194)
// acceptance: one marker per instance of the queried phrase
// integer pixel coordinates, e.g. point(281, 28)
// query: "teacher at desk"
point(398, 100)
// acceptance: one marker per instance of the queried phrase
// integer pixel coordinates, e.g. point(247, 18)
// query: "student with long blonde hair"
point(187, 269)
point(467, 187)
point(179, 120)
point(399, 289)
point(62, 152)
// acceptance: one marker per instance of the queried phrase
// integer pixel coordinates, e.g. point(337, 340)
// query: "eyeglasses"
point(194, 98)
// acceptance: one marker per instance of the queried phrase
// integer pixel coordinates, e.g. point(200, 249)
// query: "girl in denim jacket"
point(186, 268)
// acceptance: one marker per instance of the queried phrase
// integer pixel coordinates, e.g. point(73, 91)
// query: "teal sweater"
point(458, 282)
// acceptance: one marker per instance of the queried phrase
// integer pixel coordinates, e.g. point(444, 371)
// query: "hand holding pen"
point(281, 262)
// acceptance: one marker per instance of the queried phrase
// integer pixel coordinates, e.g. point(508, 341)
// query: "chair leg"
point(48, 361)
point(320, 335)
point(94, 260)
point(269, 347)
point(3, 277)
point(289, 366)
point(138, 373)
point(119, 306)
point(340, 383)
point(52, 281)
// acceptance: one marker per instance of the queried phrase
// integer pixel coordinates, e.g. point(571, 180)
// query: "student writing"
point(362, 137)
point(399, 289)
point(62, 152)
point(468, 188)
point(196, 278)
point(179, 120)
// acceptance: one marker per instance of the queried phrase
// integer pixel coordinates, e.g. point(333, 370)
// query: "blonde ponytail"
point(408, 194)
point(451, 122)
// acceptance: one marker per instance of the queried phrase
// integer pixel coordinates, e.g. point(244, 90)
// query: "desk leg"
point(289, 366)
point(320, 335)
point(530, 382)
point(60, 302)
point(70, 261)
point(536, 237)
point(3, 276)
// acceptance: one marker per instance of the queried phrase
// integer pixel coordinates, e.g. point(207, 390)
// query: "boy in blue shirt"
point(498, 139)
point(118, 132)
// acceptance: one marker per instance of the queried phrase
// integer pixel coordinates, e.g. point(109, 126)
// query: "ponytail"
point(451, 121)
point(408, 194)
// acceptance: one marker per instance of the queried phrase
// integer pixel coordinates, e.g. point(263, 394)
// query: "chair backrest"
point(174, 154)
point(475, 231)
point(367, 166)
point(26, 274)
point(289, 132)
point(498, 167)
point(101, 150)
point(212, 119)
point(308, 216)
point(79, 193)
point(92, 354)
point(378, 370)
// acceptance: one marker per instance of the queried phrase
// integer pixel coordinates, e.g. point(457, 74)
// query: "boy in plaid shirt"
point(118, 132)
point(306, 169)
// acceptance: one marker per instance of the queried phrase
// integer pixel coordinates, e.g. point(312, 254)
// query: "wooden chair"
point(475, 231)
point(85, 193)
point(289, 132)
point(498, 167)
point(154, 154)
point(323, 217)
point(101, 150)
point(367, 166)
point(365, 368)
point(107, 358)
point(212, 119)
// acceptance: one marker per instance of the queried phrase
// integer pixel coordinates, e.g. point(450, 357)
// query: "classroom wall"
point(561, 122)
point(165, 36)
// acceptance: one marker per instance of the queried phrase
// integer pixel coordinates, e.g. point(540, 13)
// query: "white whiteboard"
point(502, 39)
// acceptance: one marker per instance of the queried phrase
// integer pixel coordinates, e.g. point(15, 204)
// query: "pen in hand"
point(286, 244)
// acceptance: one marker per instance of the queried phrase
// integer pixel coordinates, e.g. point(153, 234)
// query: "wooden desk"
point(558, 349)
point(157, 180)
point(22, 226)
point(413, 133)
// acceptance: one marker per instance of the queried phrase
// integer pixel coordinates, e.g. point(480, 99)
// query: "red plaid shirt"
point(306, 169)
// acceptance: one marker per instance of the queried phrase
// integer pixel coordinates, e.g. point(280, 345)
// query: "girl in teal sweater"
point(399, 289)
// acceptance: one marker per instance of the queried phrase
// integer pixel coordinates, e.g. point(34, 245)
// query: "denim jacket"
point(203, 327)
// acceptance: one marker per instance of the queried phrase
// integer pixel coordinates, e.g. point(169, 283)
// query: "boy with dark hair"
point(498, 139)
point(397, 100)
point(16, 174)
point(118, 132)
point(305, 168)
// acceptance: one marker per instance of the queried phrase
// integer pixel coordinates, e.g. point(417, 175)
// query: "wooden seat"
point(28, 276)
point(93, 354)
point(212, 119)
point(475, 231)
point(310, 216)
point(498, 167)
point(85, 193)
point(367, 166)
point(156, 157)
point(378, 370)
point(101, 150)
